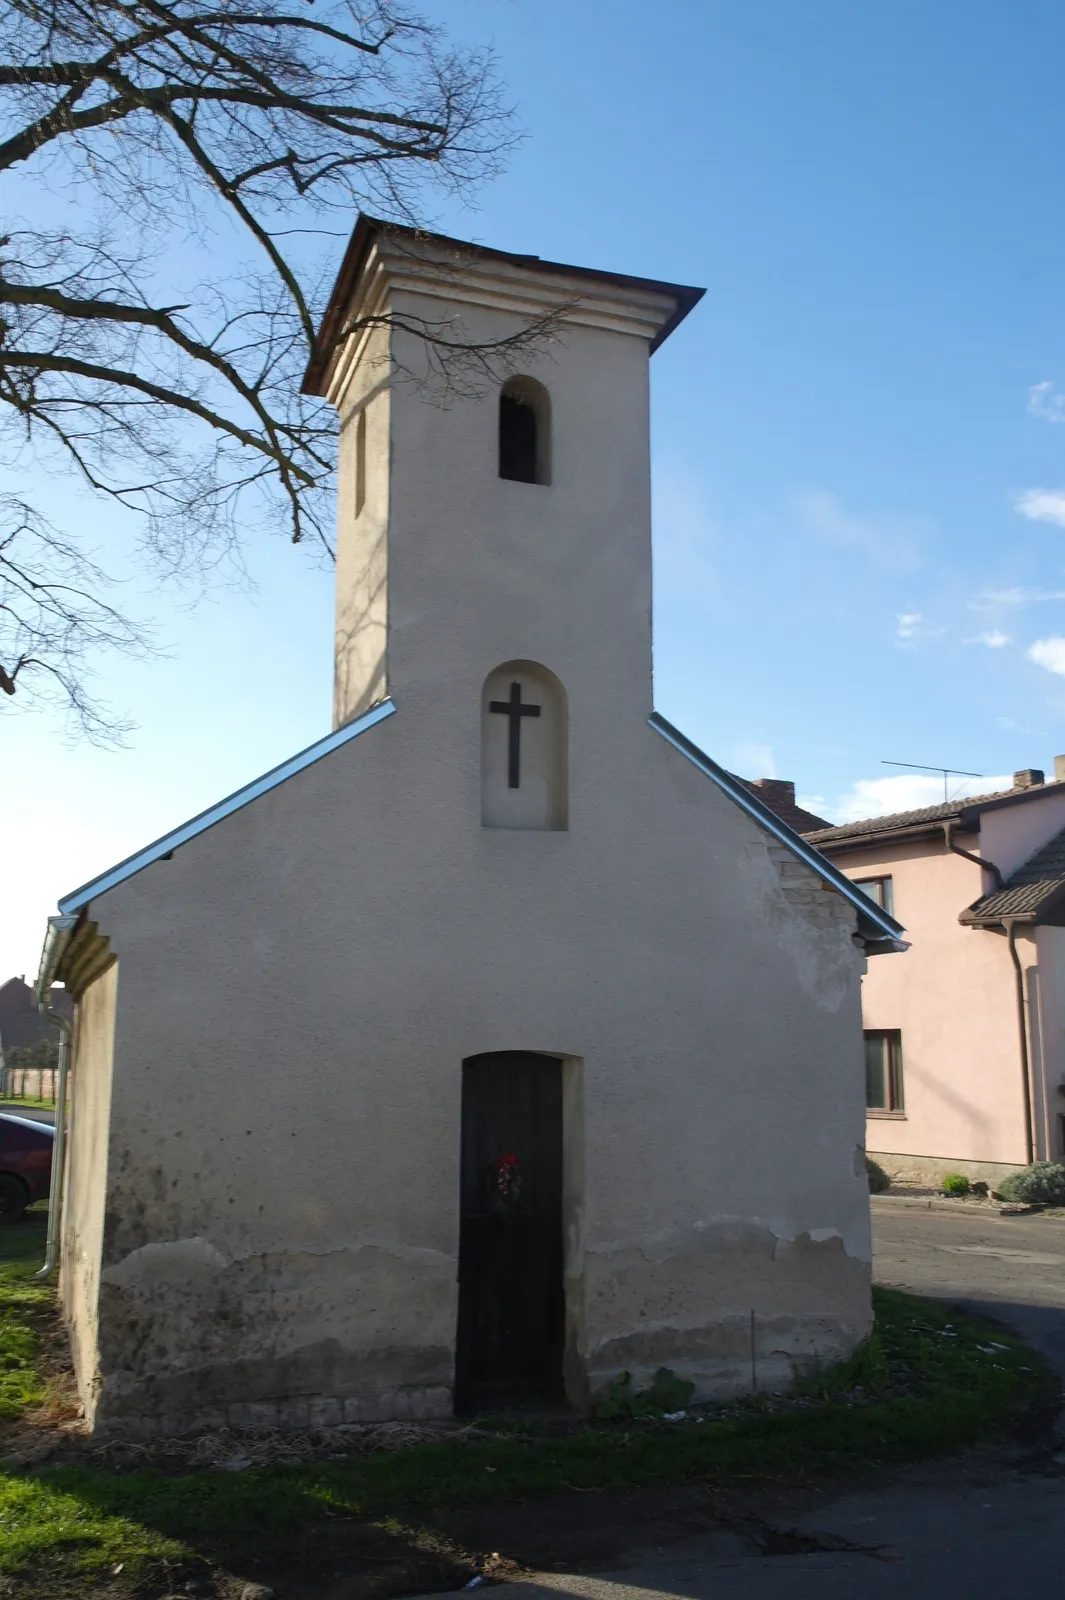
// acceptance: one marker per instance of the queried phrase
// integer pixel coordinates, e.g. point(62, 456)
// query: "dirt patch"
point(604, 1531)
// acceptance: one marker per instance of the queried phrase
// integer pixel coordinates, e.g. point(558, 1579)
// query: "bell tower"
point(485, 521)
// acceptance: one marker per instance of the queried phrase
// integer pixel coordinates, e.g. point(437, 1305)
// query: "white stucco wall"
point(301, 984)
point(362, 553)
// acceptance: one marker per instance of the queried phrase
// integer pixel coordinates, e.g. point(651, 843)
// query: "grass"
point(931, 1382)
point(15, 1104)
point(24, 1306)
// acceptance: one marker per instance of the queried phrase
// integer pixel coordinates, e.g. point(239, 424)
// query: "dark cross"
point(514, 709)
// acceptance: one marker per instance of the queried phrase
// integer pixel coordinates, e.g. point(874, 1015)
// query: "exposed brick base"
point(314, 1411)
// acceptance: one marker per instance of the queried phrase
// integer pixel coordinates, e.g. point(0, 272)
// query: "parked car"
point(25, 1164)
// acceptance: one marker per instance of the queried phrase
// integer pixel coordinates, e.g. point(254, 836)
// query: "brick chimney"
point(1031, 777)
point(774, 791)
point(1059, 769)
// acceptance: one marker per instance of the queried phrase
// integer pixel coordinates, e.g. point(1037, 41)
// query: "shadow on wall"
point(361, 640)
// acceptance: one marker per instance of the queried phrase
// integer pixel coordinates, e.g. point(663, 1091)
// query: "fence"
point(27, 1083)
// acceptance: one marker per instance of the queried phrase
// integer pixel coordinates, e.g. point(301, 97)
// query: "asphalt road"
point(992, 1523)
point(1009, 1267)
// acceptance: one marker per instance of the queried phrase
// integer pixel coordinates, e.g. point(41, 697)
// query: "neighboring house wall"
point(952, 995)
point(1012, 834)
point(21, 1021)
point(87, 1177)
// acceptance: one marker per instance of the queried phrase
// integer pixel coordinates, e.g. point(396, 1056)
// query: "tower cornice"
point(384, 260)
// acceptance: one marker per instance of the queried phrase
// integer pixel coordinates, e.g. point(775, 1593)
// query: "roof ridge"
point(918, 814)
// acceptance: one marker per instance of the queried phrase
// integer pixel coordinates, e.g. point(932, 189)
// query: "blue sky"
point(859, 435)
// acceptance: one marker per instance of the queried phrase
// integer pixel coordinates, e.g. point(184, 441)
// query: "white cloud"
point(908, 624)
point(1042, 505)
point(1049, 653)
point(994, 638)
point(1011, 725)
point(1044, 403)
point(1019, 596)
point(755, 760)
point(880, 797)
point(890, 542)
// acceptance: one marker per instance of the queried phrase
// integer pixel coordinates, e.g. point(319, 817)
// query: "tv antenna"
point(947, 772)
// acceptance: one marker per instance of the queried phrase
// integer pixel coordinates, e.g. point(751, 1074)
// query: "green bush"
point(1041, 1184)
point(878, 1178)
point(956, 1183)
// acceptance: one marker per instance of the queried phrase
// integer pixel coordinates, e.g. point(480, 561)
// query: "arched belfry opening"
point(525, 431)
point(524, 738)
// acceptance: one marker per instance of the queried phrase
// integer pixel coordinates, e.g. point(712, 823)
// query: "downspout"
point(1018, 977)
point(1018, 972)
point(56, 941)
point(980, 861)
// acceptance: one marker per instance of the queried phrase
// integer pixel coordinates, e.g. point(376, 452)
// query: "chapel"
point(501, 1042)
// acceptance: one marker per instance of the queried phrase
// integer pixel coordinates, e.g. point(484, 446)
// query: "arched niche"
point(525, 431)
point(524, 738)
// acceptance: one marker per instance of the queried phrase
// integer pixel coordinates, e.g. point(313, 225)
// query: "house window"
point(878, 889)
point(883, 1071)
point(524, 431)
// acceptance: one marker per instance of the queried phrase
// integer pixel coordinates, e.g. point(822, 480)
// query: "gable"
point(80, 898)
point(880, 932)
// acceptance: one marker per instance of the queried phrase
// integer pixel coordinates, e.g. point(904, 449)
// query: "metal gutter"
point(886, 836)
point(224, 808)
point(886, 934)
point(979, 861)
point(56, 940)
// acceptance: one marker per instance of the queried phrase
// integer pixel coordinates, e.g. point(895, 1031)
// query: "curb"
point(969, 1208)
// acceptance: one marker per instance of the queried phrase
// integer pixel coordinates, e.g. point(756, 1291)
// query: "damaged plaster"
point(184, 1263)
point(812, 924)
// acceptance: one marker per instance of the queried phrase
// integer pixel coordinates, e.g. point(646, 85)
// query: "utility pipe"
point(1018, 972)
point(980, 861)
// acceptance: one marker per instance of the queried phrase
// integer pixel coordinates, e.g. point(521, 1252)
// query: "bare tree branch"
point(183, 123)
point(53, 621)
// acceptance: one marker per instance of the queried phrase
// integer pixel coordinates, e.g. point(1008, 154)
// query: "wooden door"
point(511, 1298)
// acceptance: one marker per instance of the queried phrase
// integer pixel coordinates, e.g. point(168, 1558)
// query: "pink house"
point(965, 1031)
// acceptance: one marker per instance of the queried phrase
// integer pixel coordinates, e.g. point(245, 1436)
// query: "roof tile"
point(913, 819)
point(1028, 890)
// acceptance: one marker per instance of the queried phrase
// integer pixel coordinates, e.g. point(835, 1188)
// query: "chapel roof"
point(368, 229)
point(877, 929)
